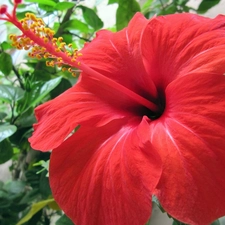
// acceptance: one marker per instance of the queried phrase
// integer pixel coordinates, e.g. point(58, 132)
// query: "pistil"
point(36, 36)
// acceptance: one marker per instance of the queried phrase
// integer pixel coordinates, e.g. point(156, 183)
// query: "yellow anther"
point(70, 70)
point(52, 63)
point(54, 40)
point(40, 21)
point(74, 74)
point(38, 56)
point(60, 39)
point(25, 27)
point(62, 45)
point(27, 15)
point(78, 63)
point(46, 40)
point(64, 69)
point(33, 17)
point(70, 45)
point(47, 55)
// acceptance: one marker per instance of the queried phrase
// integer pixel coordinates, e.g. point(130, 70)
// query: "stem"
point(18, 77)
point(65, 19)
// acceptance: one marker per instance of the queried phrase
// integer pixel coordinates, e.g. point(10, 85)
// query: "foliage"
point(24, 84)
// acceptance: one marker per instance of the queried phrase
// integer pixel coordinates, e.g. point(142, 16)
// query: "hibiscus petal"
point(85, 103)
point(109, 178)
point(177, 45)
point(117, 56)
point(190, 137)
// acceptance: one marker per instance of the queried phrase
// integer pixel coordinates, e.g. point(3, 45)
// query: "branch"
point(65, 19)
point(18, 77)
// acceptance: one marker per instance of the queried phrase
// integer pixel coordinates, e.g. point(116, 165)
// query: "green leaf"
point(6, 131)
point(10, 93)
point(5, 45)
point(216, 222)
point(64, 5)
point(43, 2)
point(64, 220)
point(146, 6)
point(42, 91)
point(21, 15)
point(112, 2)
point(26, 119)
point(75, 25)
point(206, 5)
point(15, 187)
point(5, 63)
point(6, 151)
point(44, 187)
point(125, 12)
point(91, 17)
point(39, 91)
point(34, 209)
point(2, 115)
point(62, 86)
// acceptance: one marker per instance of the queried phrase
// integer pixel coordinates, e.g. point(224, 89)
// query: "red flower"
point(150, 104)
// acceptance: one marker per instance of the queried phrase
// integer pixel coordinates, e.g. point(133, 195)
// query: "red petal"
point(85, 103)
point(179, 44)
point(117, 56)
point(190, 137)
point(106, 175)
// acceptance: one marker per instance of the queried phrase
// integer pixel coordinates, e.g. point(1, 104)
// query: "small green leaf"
point(146, 6)
point(125, 12)
point(5, 63)
point(112, 2)
point(10, 93)
point(206, 5)
point(64, 5)
point(15, 187)
point(2, 115)
point(75, 25)
point(62, 86)
point(34, 209)
point(43, 90)
point(91, 18)
point(26, 119)
point(44, 187)
point(216, 222)
point(43, 2)
point(21, 15)
point(6, 151)
point(6, 131)
point(5, 45)
point(39, 90)
point(64, 220)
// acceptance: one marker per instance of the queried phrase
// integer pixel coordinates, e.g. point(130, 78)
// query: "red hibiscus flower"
point(151, 112)
point(150, 106)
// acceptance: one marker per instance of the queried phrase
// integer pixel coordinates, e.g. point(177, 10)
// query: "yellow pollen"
point(53, 47)
point(60, 39)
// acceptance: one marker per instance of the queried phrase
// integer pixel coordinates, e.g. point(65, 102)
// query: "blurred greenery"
point(26, 197)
